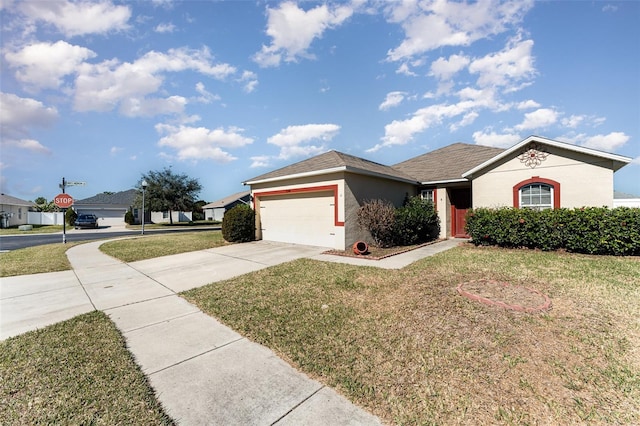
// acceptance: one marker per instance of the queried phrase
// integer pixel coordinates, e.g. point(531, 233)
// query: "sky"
point(102, 92)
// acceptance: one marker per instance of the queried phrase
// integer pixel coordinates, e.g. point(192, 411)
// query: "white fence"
point(45, 218)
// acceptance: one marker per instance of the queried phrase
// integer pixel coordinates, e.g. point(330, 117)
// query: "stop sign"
point(63, 201)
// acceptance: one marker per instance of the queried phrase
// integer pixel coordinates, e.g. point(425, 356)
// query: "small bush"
point(378, 217)
point(70, 217)
point(590, 230)
point(129, 218)
point(239, 224)
point(416, 222)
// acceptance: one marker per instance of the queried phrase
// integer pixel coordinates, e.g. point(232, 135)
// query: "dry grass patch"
point(74, 372)
point(151, 246)
point(35, 260)
point(406, 346)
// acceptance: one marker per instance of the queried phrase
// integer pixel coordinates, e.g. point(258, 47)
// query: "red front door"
point(460, 203)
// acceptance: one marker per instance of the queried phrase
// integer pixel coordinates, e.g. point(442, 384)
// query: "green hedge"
point(591, 230)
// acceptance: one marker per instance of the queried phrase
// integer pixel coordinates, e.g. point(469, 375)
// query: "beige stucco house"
point(315, 201)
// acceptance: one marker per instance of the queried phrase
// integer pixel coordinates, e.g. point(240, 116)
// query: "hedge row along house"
point(315, 201)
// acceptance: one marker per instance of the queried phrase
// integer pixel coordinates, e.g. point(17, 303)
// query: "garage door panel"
point(301, 218)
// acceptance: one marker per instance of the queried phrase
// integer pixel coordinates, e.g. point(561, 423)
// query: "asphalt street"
point(15, 242)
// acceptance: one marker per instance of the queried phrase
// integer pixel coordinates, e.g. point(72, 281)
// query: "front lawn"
point(407, 347)
point(37, 229)
point(74, 372)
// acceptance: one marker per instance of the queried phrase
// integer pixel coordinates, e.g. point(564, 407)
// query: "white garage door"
point(107, 217)
point(301, 218)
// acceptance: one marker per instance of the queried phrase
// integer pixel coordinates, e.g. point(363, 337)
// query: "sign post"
point(64, 201)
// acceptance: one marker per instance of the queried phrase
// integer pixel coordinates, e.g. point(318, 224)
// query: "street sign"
point(63, 201)
point(75, 183)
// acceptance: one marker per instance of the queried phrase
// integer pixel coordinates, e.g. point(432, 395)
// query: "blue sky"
point(104, 91)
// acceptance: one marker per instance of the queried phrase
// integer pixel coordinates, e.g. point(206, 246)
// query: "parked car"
point(86, 221)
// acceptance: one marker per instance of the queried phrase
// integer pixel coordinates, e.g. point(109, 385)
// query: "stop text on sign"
point(63, 201)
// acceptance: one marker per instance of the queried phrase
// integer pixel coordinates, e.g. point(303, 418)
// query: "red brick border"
point(546, 305)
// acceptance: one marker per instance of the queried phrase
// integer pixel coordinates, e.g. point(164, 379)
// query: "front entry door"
point(460, 204)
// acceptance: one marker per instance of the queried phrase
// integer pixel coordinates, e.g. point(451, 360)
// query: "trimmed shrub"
point(239, 224)
point(590, 230)
point(416, 222)
point(378, 217)
point(128, 217)
point(70, 217)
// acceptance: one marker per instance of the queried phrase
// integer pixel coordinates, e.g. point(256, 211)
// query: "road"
point(15, 242)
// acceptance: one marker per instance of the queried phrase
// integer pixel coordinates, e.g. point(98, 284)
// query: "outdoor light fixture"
point(144, 187)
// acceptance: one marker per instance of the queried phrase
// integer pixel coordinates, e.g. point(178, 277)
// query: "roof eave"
point(439, 182)
point(380, 175)
point(617, 159)
point(296, 175)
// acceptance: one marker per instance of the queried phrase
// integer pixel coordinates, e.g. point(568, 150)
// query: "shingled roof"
point(223, 202)
point(334, 161)
point(447, 163)
point(14, 201)
point(126, 198)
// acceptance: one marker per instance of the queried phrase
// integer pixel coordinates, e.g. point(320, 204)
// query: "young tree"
point(168, 191)
point(42, 205)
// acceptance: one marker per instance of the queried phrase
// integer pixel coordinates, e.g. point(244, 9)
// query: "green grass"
point(151, 246)
point(37, 229)
point(35, 260)
point(407, 347)
point(74, 372)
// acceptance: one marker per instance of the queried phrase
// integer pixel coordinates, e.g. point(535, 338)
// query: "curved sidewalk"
point(202, 371)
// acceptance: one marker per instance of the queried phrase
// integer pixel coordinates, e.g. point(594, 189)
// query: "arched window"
point(537, 193)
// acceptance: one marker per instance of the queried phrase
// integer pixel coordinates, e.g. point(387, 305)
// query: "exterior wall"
point(308, 184)
point(214, 214)
point(361, 188)
point(443, 208)
point(107, 214)
point(13, 215)
point(626, 202)
point(158, 217)
point(584, 180)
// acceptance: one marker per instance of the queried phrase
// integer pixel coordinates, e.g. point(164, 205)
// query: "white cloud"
point(538, 119)
point(115, 150)
point(434, 24)
point(205, 97)
point(199, 143)
point(528, 104)
point(260, 161)
point(250, 80)
point(165, 28)
point(80, 17)
point(573, 121)
point(444, 69)
point(609, 8)
point(393, 99)
point(292, 30)
point(636, 161)
point(496, 140)
point(43, 65)
point(507, 68)
point(609, 143)
point(404, 69)
point(293, 140)
point(18, 117)
point(467, 120)
point(109, 84)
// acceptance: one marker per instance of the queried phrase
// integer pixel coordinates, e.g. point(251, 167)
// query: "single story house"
point(109, 208)
point(13, 211)
point(315, 201)
point(216, 209)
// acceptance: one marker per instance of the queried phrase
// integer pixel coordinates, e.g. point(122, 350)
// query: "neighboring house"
point(13, 211)
point(163, 217)
point(216, 209)
point(620, 199)
point(316, 201)
point(108, 208)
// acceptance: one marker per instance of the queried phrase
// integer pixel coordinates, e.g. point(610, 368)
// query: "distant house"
point(13, 211)
point(620, 199)
point(216, 209)
point(109, 208)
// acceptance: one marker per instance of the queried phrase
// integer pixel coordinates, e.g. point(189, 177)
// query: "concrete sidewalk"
point(202, 371)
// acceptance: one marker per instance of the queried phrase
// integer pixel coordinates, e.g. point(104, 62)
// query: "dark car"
point(86, 221)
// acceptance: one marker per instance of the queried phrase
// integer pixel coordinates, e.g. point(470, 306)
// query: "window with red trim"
point(537, 193)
